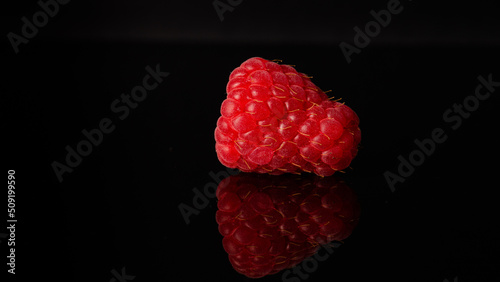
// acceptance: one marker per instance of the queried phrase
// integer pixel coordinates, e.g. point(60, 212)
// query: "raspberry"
point(271, 223)
point(275, 120)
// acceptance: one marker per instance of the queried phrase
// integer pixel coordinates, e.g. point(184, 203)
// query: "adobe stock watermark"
point(372, 29)
point(310, 264)
point(228, 6)
point(121, 277)
point(201, 200)
point(453, 116)
point(40, 18)
point(121, 108)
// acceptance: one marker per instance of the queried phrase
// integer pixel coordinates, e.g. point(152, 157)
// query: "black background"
point(119, 207)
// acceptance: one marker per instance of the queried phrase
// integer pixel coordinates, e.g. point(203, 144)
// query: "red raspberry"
point(271, 223)
point(275, 120)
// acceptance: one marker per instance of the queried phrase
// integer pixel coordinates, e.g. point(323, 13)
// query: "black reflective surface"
point(274, 223)
point(142, 202)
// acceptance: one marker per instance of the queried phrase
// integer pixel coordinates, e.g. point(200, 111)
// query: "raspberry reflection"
point(271, 223)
